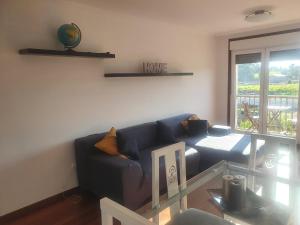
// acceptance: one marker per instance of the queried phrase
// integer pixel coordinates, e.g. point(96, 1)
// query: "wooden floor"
point(84, 209)
point(78, 209)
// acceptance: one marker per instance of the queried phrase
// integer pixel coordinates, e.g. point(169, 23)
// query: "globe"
point(69, 35)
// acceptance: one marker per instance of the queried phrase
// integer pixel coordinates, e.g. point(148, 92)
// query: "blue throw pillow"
point(197, 127)
point(165, 134)
point(130, 149)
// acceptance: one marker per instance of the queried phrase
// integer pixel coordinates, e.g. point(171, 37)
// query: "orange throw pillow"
point(109, 144)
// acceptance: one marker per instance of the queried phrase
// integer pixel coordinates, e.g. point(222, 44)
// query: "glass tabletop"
point(272, 196)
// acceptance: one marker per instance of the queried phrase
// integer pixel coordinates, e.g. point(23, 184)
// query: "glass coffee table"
point(277, 196)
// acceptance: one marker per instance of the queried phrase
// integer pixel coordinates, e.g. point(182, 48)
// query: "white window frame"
point(264, 84)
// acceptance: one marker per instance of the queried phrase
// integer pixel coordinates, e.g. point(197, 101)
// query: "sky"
point(284, 64)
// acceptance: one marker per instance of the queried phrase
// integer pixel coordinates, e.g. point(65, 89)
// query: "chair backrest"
point(247, 111)
point(173, 188)
point(111, 209)
point(246, 107)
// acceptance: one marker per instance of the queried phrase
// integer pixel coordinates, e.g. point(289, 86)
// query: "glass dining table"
point(276, 198)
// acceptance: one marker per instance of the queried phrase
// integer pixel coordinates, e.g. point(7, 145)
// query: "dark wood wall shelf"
point(46, 52)
point(146, 74)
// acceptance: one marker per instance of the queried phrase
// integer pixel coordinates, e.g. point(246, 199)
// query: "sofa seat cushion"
point(219, 130)
point(233, 147)
point(229, 143)
point(192, 156)
point(191, 140)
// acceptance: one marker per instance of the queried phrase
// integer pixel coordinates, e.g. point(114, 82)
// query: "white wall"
point(47, 102)
point(221, 79)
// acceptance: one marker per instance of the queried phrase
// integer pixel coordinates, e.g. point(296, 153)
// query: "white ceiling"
point(214, 16)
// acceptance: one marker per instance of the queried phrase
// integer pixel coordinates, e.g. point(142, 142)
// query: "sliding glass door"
point(283, 91)
point(265, 90)
point(246, 97)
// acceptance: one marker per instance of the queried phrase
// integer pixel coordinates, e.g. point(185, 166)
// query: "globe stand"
point(70, 50)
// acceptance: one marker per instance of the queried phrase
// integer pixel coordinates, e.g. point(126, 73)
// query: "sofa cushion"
point(185, 123)
point(145, 135)
point(197, 127)
point(165, 134)
point(230, 143)
point(174, 123)
point(219, 130)
point(215, 149)
point(130, 149)
point(108, 144)
point(233, 147)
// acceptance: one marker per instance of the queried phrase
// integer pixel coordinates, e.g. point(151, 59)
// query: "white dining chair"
point(168, 154)
point(179, 213)
point(111, 209)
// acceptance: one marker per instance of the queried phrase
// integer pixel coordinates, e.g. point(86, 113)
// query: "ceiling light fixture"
point(258, 16)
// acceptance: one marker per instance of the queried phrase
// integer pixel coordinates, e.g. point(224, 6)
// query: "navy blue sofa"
point(129, 181)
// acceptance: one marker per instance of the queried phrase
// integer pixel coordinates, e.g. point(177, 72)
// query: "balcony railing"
point(282, 120)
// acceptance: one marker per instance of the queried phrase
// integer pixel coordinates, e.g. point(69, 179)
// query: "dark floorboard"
point(78, 209)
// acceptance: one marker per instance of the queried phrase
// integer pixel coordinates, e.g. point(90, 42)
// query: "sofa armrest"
point(84, 148)
point(219, 130)
point(115, 177)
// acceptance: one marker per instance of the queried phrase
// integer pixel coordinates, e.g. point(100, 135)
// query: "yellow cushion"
point(108, 144)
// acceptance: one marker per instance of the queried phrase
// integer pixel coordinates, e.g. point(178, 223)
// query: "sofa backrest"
point(144, 134)
point(174, 124)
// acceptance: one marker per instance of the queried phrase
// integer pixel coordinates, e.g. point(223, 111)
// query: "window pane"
point(248, 68)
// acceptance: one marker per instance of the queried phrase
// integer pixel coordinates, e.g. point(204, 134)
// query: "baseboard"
point(38, 205)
